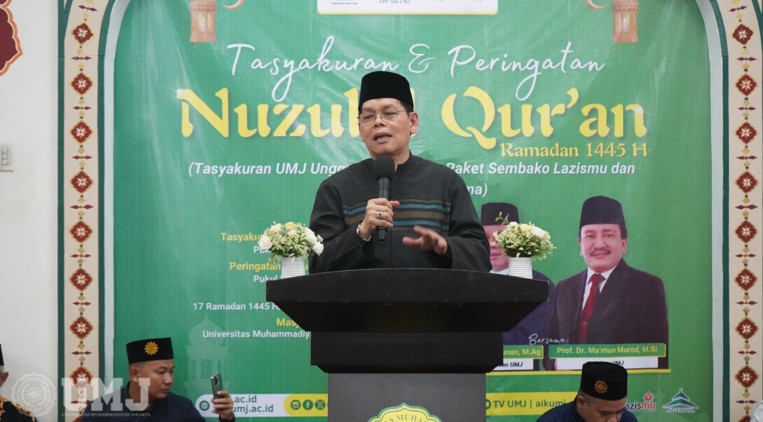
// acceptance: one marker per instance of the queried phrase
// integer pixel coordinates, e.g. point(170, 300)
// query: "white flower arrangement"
point(523, 240)
point(290, 239)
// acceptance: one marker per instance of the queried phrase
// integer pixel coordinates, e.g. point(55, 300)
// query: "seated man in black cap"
point(601, 397)
point(10, 411)
point(534, 327)
point(609, 302)
point(429, 220)
point(147, 396)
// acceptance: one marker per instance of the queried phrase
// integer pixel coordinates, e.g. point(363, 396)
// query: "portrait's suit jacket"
point(631, 308)
point(535, 324)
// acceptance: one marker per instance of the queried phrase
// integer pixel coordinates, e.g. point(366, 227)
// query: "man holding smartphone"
point(147, 396)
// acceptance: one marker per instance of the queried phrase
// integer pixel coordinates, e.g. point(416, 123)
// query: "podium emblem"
point(405, 412)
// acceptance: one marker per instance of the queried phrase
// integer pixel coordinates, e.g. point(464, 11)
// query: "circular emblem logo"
point(405, 412)
point(151, 348)
point(600, 387)
point(35, 392)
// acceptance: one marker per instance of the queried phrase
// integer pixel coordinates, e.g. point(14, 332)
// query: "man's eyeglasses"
point(366, 119)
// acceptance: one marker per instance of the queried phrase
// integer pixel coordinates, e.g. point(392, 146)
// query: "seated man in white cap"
point(10, 411)
point(427, 218)
point(601, 397)
point(147, 396)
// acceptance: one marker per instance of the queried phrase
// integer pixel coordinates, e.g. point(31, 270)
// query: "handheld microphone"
point(384, 170)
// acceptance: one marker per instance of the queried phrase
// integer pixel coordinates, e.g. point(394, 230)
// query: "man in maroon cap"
point(428, 219)
point(601, 397)
point(147, 396)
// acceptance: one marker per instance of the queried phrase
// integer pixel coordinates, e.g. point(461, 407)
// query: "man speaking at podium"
point(395, 210)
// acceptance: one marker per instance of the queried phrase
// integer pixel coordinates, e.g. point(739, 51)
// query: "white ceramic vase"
point(292, 266)
point(521, 267)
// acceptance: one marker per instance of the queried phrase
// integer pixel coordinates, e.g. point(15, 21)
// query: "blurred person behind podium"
point(10, 411)
point(533, 328)
point(429, 220)
point(601, 397)
point(152, 360)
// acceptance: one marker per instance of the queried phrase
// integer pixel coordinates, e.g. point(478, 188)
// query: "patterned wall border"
point(80, 193)
point(81, 45)
point(741, 21)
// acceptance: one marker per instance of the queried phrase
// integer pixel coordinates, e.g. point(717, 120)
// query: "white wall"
point(28, 208)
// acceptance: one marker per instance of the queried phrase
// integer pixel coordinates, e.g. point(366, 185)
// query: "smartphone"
point(217, 384)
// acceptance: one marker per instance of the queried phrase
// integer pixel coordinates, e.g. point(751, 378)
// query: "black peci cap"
point(149, 349)
point(602, 210)
point(604, 380)
point(381, 84)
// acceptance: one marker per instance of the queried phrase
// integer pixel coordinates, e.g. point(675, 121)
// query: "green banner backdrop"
point(533, 103)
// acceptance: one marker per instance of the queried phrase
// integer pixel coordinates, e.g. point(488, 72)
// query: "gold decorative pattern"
point(151, 348)
point(600, 386)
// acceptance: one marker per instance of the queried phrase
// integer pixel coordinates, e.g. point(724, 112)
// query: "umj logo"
point(405, 412)
point(77, 395)
point(680, 403)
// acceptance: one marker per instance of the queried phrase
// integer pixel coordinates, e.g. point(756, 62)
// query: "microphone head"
point(384, 166)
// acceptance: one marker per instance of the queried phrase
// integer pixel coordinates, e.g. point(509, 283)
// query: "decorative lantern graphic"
point(203, 20)
point(625, 21)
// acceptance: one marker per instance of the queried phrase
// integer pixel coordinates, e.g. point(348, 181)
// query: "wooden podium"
point(398, 339)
